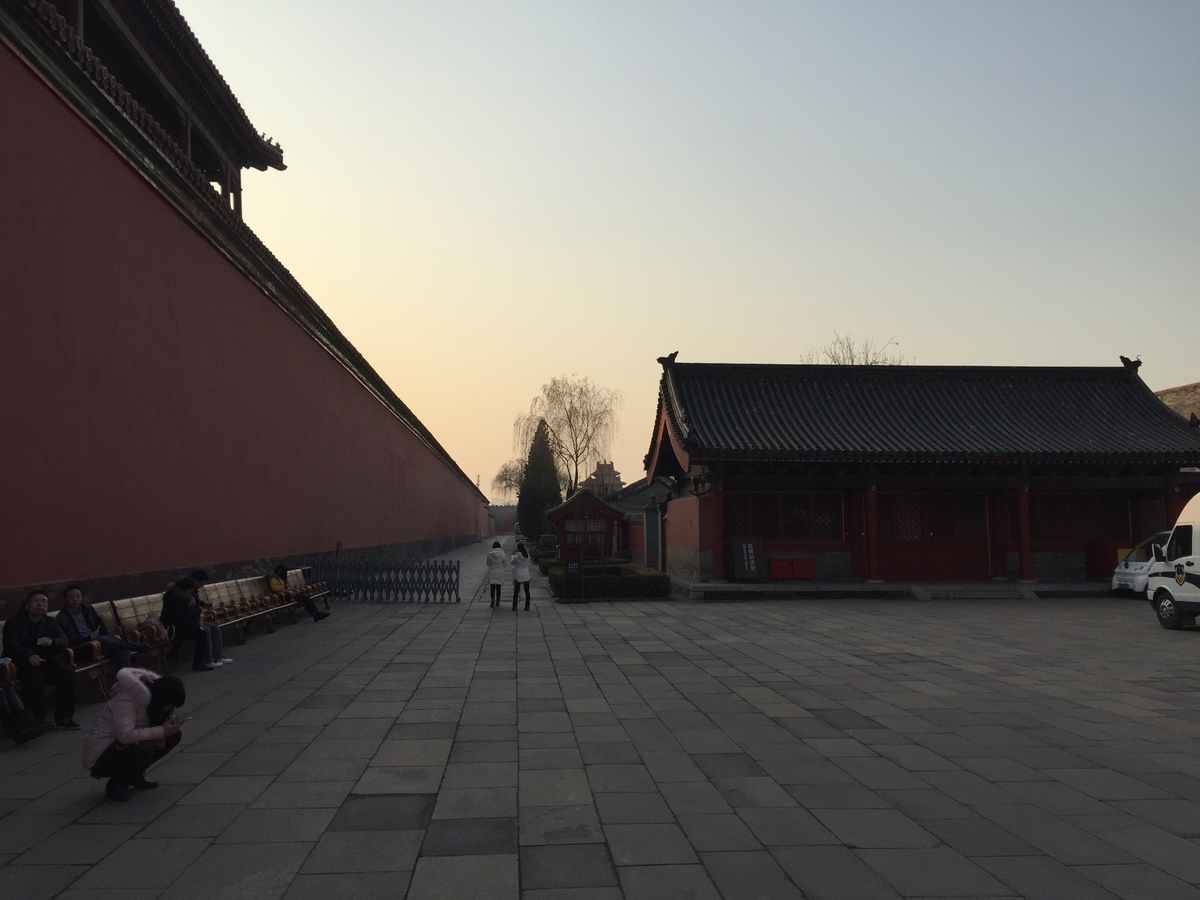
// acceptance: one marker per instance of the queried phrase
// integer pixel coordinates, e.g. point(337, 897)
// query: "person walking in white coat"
point(495, 564)
point(520, 564)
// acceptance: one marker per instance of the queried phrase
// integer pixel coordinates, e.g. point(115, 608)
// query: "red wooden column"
point(870, 525)
point(998, 532)
point(1024, 541)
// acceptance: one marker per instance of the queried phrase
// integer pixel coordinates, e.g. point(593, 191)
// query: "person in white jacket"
point(520, 564)
point(136, 727)
point(495, 564)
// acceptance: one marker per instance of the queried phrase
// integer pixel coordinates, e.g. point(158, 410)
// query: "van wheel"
point(1168, 612)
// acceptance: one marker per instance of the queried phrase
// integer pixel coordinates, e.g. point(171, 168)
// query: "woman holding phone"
point(137, 726)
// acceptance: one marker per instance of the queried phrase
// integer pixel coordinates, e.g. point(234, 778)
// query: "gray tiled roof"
point(947, 413)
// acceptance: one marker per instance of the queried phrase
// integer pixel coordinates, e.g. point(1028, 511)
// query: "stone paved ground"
point(654, 750)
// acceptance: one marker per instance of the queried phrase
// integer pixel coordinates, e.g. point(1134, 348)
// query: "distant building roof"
point(633, 498)
point(583, 499)
point(713, 412)
point(1184, 399)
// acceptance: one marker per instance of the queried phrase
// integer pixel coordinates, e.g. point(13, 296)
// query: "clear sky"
point(485, 195)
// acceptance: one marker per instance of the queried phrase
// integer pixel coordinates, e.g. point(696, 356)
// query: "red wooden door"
point(933, 536)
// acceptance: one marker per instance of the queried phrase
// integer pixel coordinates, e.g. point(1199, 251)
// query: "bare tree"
point(843, 350)
point(508, 480)
point(581, 417)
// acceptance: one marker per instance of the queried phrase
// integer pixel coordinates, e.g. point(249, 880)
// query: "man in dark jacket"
point(39, 648)
point(81, 623)
point(181, 611)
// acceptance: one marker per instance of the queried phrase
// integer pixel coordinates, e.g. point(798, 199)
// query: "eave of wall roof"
point(166, 21)
point(665, 445)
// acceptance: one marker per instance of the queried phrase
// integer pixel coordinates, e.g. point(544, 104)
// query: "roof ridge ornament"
point(1131, 365)
point(665, 361)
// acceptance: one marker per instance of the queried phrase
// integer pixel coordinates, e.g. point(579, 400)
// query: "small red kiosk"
point(586, 526)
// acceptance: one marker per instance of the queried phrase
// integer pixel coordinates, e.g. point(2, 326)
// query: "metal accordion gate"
point(382, 580)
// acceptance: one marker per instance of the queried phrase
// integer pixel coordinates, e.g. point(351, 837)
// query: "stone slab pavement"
point(828, 749)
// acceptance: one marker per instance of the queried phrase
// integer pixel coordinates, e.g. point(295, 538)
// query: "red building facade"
point(915, 472)
point(172, 396)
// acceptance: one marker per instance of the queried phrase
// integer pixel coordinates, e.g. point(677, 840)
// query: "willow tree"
point(539, 489)
point(507, 482)
point(581, 424)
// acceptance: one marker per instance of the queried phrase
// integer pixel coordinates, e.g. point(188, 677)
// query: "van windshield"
point(1144, 552)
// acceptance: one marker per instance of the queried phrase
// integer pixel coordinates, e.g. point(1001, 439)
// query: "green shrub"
point(622, 580)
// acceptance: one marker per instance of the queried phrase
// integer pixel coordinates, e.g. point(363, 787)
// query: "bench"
point(241, 602)
point(94, 663)
point(316, 591)
point(137, 619)
point(228, 607)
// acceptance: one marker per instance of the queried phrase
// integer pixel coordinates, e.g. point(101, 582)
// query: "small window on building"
point(1083, 518)
point(827, 517)
point(908, 517)
point(764, 516)
point(795, 517)
point(735, 516)
point(1113, 519)
point(1048, 513)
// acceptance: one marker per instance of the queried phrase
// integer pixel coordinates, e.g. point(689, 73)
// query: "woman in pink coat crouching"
point(136, 727)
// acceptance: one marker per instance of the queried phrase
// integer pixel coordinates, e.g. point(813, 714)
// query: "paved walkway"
point(655, 750)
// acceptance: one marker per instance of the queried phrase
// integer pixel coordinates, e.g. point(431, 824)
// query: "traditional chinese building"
point(171, 395)
point(916, 472)
point(586, 525)
point(604, 481)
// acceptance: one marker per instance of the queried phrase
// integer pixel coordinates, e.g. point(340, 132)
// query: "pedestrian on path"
point(495, 564)
point(520, 564)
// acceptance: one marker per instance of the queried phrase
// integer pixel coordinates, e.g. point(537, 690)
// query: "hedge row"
point(609, 566)
point(623, 580)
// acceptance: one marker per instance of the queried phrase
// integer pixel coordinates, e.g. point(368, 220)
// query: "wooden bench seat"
point(137, 619)
point(316, 591)
point(241, 602)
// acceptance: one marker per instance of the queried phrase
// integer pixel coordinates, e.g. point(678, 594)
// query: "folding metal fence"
point(373, 580)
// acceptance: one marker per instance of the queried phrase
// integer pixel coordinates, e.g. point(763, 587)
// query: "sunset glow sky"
point(485, 195)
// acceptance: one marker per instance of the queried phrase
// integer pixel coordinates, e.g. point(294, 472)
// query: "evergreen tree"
point(539, 490)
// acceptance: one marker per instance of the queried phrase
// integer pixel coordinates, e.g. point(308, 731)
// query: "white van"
point(1173, 587)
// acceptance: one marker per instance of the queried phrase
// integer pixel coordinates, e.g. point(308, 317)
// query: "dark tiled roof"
point(929, 413)
point(633, 498)
point(174, 32)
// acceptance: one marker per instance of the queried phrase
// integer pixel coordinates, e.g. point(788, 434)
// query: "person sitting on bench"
point(39, 648)
point(181, 611)
point(277, 584)
point(80, 623)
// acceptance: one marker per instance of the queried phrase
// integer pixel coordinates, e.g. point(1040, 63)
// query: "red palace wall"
point(159, 410)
